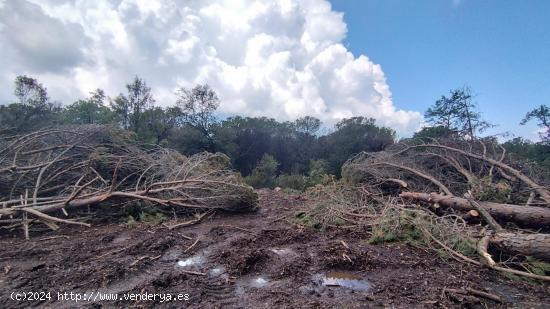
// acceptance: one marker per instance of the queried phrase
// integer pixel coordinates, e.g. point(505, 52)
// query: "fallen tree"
point(536, 245)
point(49, 174)
point(530, 216)
point(461, 182)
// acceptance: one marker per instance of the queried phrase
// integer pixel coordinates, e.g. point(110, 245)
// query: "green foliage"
point(318, 173)
point(498, 193)
point(190, 126)
point(131, 106)
point(434, 132)
point(397, 225)
point(307, 125)
point(352, 136)
point(306, 219)
point(264, 174)
point(89, 111)
point(159, 123)
point(24, 118)
point(33, 109)
point(294, 181)
point(198, 106)
point(30, 92)
point(145, 218)
point(537, 267)
point(538, 153)
point(457, 113)
point(542, 115)
point(139, 213)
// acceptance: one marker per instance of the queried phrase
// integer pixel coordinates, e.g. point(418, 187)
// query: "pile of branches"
point(479, 192)
point(48, 175)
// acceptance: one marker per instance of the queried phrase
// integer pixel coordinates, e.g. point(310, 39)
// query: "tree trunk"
point(531, 216)
point(535, 245)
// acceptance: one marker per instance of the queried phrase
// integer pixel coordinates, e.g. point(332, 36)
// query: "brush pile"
point(468, 199)
point(48, 175)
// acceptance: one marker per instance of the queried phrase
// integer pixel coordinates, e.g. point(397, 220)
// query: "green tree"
point(542, 115)
point(308, 125)
point(526, 150)
point(457, 113)
point(161, 122)
point(352, 136)
point(30, 92)
point(33, 109)
point(435, 132)
point(130, 107)
point(89, 111)
point(264, 174)
point(198, 106)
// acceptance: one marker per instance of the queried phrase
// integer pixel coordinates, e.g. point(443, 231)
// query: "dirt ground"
point(254, 260)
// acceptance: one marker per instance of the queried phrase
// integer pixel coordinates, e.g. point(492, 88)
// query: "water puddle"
point(258, 283)
point(342, 279)
point(192, 261)
point(218, 271)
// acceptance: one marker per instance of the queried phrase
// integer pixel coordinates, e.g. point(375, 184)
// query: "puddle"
point(217, 271)
point(191, 261)
point(343, 279)
point(244, 284)
point(259, 282)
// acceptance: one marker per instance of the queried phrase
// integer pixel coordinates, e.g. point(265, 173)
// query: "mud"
point(253, 260)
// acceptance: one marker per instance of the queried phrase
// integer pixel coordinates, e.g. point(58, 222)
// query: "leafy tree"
point(89, 111)
point(542, 115)
point(30, 92)
point(130, 107)
point(264, 174)
point(297, 182)
point(161, 122)
point(457, 113)
point(246, 140)
point(198, 106)
point(352, 136)
point(435, 132)
point(538, 153)
point(308, 125)
point(33, 109)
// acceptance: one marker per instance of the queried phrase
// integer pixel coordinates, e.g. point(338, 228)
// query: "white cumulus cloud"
point(282, 58)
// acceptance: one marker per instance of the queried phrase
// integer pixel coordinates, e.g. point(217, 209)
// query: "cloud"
point(282, 59)
point(39, 42)
point(456, 3)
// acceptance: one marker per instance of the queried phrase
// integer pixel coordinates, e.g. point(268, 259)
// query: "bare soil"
point(255, 260)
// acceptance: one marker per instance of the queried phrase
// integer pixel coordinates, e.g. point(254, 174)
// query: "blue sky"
point(501, 49)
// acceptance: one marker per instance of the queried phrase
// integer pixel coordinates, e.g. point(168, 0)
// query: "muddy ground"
point(255, 260)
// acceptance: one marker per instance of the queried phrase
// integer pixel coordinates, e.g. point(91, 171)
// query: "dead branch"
point(470, 291)
point(545, 194)
point(66, 169)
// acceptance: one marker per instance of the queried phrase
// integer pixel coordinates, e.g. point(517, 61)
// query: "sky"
point(500, 48)
point(385, 59)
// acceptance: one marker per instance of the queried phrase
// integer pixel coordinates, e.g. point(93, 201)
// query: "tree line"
point(294, 149)
point(268, 152)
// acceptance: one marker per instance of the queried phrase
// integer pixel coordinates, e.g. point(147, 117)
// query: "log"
point(535, 245)
point(529, 216)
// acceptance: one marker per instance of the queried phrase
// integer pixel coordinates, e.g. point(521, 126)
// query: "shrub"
point(264, 174)
point(294, 181)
